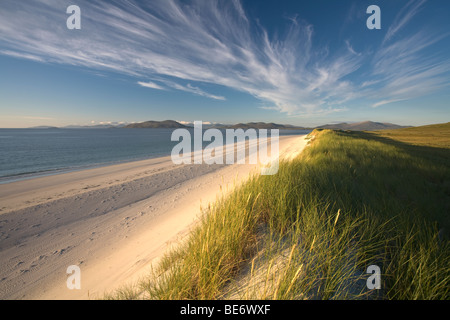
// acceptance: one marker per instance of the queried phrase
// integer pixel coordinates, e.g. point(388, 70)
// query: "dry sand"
point(112, 222)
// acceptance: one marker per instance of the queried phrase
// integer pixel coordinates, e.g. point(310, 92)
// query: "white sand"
point(113, 222)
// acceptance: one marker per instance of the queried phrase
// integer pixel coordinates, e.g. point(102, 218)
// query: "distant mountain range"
point(174, 124)
point(359, 126)
point(171, 124)
point(362, 126)
point(167, 124)
point(258, 125)
point(43, 127)
point(97, 126)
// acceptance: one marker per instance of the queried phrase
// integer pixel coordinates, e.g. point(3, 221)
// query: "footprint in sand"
point(40, 258)
point(61, 251)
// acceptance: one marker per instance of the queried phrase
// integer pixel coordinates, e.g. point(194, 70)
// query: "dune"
point(113, 222)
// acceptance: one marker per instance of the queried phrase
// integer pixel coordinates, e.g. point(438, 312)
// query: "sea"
point(29, 153)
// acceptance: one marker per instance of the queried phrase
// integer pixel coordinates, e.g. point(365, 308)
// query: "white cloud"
point(192, 122)
point(195, 90)
point(151, 85)
point(21, 55)
point(403, 17)
point(381, 103)
point(403, 72)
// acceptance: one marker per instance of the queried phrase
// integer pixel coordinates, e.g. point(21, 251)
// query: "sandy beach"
point(113, 222)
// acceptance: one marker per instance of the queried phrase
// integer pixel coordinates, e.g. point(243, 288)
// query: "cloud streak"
point(403, 17)
point(151, 85)
point(186, 46)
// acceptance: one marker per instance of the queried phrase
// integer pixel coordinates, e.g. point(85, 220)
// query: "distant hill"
point(259, 125)
point(169, 124)
point(43, 127)
point(362, 126)
point(98, 126)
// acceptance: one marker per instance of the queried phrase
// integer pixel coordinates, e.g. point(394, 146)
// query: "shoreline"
point(111, 221)
point(52, 172)
point(68, 169)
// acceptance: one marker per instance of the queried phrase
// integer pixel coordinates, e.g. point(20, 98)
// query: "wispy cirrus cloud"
point(383, 102)
point(401, 71)
point(187, 88)
point(187, 45)
point(403, 17)
point(195, 90)
point(151, 85)
point(21, 55)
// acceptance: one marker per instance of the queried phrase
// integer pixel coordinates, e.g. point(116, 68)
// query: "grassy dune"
point(437, 135)
point(350, 200)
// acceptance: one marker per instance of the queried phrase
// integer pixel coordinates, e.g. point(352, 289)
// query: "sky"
point(303, 63)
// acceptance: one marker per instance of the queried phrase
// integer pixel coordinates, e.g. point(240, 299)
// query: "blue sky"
point(294, 62)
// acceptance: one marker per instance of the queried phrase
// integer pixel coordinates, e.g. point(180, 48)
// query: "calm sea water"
point(26, 153)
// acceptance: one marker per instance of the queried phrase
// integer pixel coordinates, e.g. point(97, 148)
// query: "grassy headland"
point(350, 200)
